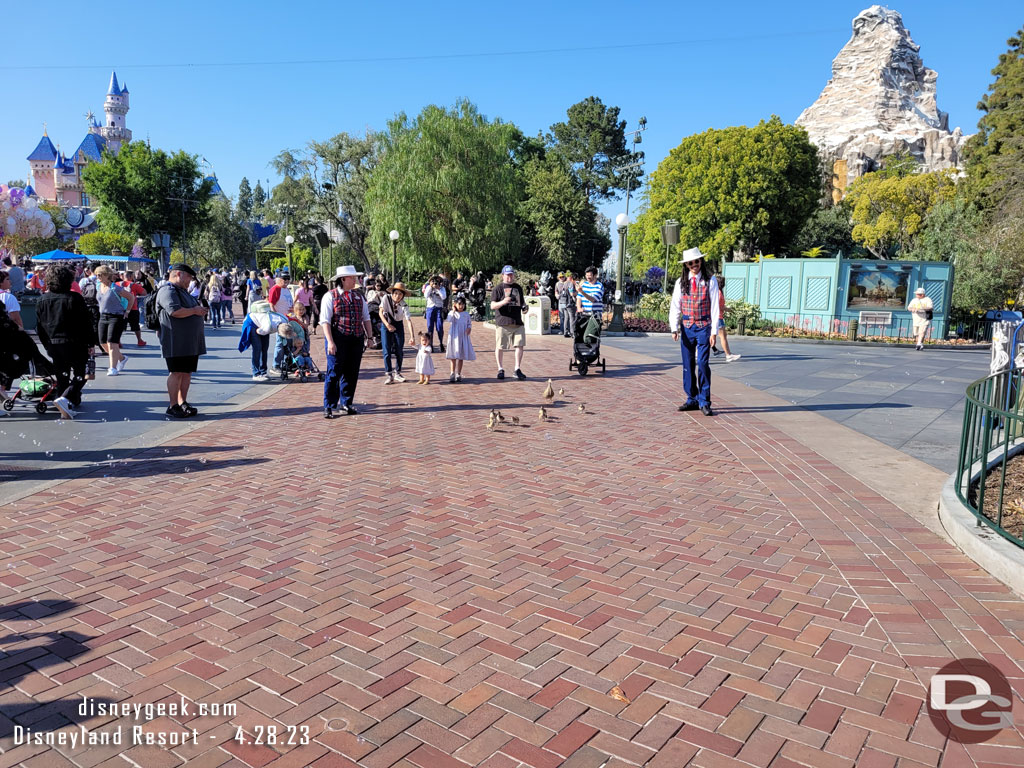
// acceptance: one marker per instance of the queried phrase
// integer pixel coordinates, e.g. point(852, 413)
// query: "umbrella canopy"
point(65, 256)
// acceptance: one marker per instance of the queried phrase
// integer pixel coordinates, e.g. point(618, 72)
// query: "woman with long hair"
point(114, 302)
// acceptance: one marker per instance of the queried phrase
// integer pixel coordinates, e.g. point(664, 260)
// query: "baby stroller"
point(20, 359)
point(586, 344)
point(307, 369)
point(39, 385)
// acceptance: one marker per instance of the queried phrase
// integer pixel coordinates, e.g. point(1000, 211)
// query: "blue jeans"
point(435, 319)
point(695, 347)
point(281, 351)
point(215, 313)
point(392, 343)
point(226, 309)
point(259, 355)
point(342, 371)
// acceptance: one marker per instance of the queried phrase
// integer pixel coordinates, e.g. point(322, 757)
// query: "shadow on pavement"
point(815, 407)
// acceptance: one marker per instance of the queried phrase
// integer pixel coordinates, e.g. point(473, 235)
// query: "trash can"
point(538, 315)
point(28, 303)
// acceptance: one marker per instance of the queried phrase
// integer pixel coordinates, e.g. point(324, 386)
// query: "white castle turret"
point(115, 107)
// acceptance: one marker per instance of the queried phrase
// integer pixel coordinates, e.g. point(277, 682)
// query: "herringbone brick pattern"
point(422, 593)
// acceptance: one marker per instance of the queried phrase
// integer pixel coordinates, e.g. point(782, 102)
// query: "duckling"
point(582, 407)
point(549, 392)
point(542, 416)
point(561, 391)
point(490, 422)
point(515, 420)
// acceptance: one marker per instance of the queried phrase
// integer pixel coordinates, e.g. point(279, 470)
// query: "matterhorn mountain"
point(880, 100)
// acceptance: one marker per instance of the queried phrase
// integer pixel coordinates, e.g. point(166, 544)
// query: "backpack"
point(152, 314)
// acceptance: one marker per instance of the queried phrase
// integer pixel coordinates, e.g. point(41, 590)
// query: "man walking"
point(182, 339)
point(590, 299)
point(436, 295)
point(692, 316)
point(345, 320)
point(507, 303)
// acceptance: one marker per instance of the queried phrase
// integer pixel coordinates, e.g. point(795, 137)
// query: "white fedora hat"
point(347, 271)
point(692, 254)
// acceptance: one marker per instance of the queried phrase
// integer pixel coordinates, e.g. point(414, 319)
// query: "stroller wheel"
point(583, 369)
point(320, 376)
point(572, 364)
point(284, 376)
point(40, 407)
point(9, 404)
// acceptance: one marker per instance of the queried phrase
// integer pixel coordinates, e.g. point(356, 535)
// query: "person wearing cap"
point(345, 319)
point(393, 311)
point(922, 309)
point(182, 338)
point(280, 297)
point(507, 303)
point(436, 296)
point(693, 314)
point(38, 280)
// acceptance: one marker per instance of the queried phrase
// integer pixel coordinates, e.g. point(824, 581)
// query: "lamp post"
point(617, 324)
point(288, 242)
point(670, 237)
point(393, 234)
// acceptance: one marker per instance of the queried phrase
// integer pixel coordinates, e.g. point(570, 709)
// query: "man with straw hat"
point(692, 317)
point(345, 319)
point(392, 333)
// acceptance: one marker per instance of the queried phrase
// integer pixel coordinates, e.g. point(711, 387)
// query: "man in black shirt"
point(65, 329)
point(508, 303)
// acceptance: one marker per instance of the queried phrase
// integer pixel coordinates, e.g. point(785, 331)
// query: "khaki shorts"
point(509, 336)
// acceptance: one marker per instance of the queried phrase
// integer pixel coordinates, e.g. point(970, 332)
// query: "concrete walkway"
point(619, 586)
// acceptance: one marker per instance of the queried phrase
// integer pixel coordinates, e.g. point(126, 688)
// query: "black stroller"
point(20, 359)
point(586, 344)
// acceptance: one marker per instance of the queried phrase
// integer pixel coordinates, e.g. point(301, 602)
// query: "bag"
point(152, 314)
point(215, 294)
point(928, 314)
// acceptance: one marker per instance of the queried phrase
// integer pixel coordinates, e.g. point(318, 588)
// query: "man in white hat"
point(922, 309)
point(693, 317)
point(345, 319)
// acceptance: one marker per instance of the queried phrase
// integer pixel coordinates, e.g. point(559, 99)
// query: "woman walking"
point(114, 302)
point(63, 324)
point(393, 311)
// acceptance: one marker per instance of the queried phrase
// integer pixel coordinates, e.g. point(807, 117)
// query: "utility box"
point(538, 315)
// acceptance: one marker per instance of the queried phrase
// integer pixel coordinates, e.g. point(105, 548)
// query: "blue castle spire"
point(114, 89)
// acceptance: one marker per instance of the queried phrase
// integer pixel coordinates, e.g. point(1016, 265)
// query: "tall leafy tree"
point(592, 142)
point(259, 200)
point(446, 182)
point(245, 201)
point(733, 190)
point(140, 190)
point(829, 229)
point(223, 239)
point(995, 155)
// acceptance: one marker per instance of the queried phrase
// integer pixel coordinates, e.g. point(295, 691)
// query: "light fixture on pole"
point(669, 237)
point(393, 234)
point(288, 241)
point(617, 324)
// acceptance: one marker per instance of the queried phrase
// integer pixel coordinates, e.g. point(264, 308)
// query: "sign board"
point(876, 318)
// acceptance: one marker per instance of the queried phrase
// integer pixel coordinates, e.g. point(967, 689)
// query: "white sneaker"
point(259, 377)
point(732, 358)
point(274, 371)
point(389, 378)
point(121, 363)
point(113, 372)
point(399, 377)
point(66, 411)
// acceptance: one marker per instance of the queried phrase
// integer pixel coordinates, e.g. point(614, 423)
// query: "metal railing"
point(993, 433)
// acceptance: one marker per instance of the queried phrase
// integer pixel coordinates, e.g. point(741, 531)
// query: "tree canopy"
point(732, 190)
point(245, 201)
point(446, 182)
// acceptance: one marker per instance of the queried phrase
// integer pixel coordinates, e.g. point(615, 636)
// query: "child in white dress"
point(424, 362)
point(460, 345)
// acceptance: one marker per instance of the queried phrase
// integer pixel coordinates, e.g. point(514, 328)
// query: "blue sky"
point(233, 82)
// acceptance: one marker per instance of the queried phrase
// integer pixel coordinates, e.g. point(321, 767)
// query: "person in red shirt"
point(133, 310)
point(38, 280)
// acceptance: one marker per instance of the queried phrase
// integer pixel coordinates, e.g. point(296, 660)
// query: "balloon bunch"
point(22, 216)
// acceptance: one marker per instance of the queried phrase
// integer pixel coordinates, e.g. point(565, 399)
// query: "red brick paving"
point(422, 593)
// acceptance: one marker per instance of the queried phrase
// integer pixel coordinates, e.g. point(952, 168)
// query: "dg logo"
point(970, 701)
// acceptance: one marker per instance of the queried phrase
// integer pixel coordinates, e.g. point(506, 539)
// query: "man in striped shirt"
point(591, 294)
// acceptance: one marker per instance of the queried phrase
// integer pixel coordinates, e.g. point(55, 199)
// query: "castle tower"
point(115, 107)
point(40, 164)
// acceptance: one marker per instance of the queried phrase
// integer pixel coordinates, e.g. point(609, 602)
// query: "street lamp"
point(393, 234)
point(669, 237)
point(288, 241)
point(617, 324)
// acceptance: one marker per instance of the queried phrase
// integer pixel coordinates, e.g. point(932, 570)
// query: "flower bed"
point(645, 325)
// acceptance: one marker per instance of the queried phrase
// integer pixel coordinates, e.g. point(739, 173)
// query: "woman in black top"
point(319, 291)
point(64, 324)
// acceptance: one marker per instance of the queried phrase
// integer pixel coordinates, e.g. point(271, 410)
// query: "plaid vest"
point(695, 307)
point(347, 315)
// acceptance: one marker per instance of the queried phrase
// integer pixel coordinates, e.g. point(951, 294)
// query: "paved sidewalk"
point(422, 593)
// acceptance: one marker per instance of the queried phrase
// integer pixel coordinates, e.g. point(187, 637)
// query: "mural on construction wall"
point(882, 288)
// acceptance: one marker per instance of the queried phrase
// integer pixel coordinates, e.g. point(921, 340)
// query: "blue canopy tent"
point(65, 256)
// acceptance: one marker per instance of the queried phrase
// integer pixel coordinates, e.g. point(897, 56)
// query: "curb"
point(993, 553)
point(836, 342)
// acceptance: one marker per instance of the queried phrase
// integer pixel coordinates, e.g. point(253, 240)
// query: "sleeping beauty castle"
point(57, 177)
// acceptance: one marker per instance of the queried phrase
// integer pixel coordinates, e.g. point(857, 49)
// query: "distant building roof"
point(215, 189)
point(92, 147)
point(29, 191)
point(124, 88)
point(114, 89)
point(44, 150)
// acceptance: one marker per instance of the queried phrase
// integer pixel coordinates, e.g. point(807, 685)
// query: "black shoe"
point(501, 373)
point(177, 412)
point(706, 410)
point(189, 409)
point(520, 375)
point(351, 411)
point(328, 414)
point(687, 407)
point(442, 347)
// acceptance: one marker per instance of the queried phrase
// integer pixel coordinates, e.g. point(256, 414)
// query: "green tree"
point(140, 190)
point(888, 212)
point(223, 240)
point(995, 155)
point(733, 190)
point(447, 184)
point(829, 229)
point(245, 201)
point(16, 183)
point(592, 141)
point(259, 201)
point(559, 222)
point(102, 243)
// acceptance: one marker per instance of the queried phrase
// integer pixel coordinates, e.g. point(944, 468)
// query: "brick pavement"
point(422, 593)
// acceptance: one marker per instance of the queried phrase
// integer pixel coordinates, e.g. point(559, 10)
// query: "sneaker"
point(716, 351)
point(64, 407)
point(451, 379)
point(189, 409)
point(274, 371)
point(520, 375)
point(142, 342)
point(113, 372)
point(458, 377)
point(328, 414)
point(177, 412)
point(122, 362)
point(259, 377)
point(350, 410)
point(732, 358)
point(389, 379)
point(399, 377)
point(501, 373)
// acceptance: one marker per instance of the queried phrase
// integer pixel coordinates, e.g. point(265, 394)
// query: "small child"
point(424, 362)
point(460, 345)
point(286, 338)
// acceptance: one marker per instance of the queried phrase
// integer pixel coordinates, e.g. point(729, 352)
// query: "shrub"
point(655, 303)
point(645, 325)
